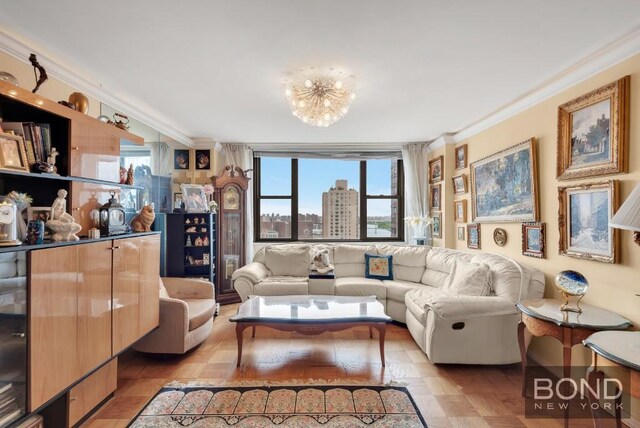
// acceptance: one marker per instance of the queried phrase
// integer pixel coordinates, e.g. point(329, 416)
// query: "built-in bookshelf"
point(191, 245)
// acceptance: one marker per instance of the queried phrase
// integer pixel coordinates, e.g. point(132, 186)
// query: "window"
point(328, 199)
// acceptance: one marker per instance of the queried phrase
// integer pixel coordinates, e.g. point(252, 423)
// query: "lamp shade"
point(628, 216)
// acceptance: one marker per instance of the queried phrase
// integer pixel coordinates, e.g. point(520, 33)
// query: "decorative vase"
point(8, 77)
point(80, 102)
point(35, 232)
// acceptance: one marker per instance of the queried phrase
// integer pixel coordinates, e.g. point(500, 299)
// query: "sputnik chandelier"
point(320, 98)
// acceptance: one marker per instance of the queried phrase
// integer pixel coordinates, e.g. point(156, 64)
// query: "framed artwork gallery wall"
point(613, 286)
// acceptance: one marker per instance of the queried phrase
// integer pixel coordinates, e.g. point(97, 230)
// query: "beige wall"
point(53, 89)
point(611, 286)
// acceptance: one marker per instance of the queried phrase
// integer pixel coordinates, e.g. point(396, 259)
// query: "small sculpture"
point(129, 180)
point(62, 224)
point(80, 102)
point(51, 160)
point(321, 261)
point(37, 67)
point(121, 121)
point(143, 220)
point(198, 242)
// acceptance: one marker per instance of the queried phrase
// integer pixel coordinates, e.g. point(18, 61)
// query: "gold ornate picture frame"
point(461, 157)
point(460, 211)
point(13, 154)
point(436, 197)
point(473, 236)
point(460, 184)
point(533, 240)
point(436, 169)
point(436, 230)
point(583, 221)
point(593, 132)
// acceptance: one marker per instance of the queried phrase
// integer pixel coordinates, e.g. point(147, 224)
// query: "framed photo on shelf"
point(177, 201)
point(435, 169)
point(435, 197)
point(461, 233)
point(460, 184)
point(460, 210)
point(436, 225)
point(39, 213)
point(533, 240)
point(593, 132)
point(504, 186)
point(473, 236)
point(181, 159)
point(13, 154)
point(461, 157)
point(203, 159)
point(194, 198)
point(583, 218)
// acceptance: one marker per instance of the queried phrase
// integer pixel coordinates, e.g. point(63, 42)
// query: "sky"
point(316, 176)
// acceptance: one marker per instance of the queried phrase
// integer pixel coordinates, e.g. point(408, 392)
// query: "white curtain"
point(415, 161)
point(241, 155)
point(161, 161)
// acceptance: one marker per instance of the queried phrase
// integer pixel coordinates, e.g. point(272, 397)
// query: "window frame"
point(293, 197)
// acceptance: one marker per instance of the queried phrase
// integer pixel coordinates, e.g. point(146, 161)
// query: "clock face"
point(231, 199)
point(6, 214)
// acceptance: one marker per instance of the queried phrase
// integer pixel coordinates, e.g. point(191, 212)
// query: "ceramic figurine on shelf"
point(198, 242)
point(203, 229)
point(35, 232)
point(143, 220)
point(205, 241)
point(123, 175)
point(203, 221)
point(205, 259)
point(188, 244)
point(51, 160)
point(187, 221)
point(191, 229)
point(62, 224)
point(196, 221)
point(129, 180)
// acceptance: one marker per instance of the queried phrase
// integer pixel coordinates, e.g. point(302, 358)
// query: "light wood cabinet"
point(86, 395)
point(150, 284)
point(53, 320)
point(94, 152)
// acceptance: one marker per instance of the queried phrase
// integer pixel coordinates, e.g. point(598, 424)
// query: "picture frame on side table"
point(460, 210)
point(473, 236)
point(194, 198)
point(533, 240)
point(13, 153)
point(436, 171)
point(436, 197)
point(593, 132)
point(460, 186)
point(461, 234)
point(436, 225)
point(461, 157)
point(583, 220)
point(504, 185)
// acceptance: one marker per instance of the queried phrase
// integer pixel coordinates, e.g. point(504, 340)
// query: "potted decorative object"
point(419, 225)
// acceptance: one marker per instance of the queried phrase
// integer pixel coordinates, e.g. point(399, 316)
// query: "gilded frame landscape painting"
point(583, 219)
point(593, 132)
point(504, 186)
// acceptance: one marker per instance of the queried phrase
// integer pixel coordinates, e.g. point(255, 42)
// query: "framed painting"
point(13, 154)
point(461, 157)
point(593, 132)
point(583, 219)
point(533, 240)
point(460, 184)
point(435, 197)
point(435, 169)
point(437, 225)
point(460, 210)
point(203, 159)
point(180, 159)
point(461, 233)
point(194, 198)
point(473, 236)
point(504, 185)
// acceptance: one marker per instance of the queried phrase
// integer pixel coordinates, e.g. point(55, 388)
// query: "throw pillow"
point(163, 291)
point(288, 260)
point(468, 279)
point(378, 267)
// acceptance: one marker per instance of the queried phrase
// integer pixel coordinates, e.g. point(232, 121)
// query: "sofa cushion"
point(397, 289)
point(439, 264)
point(287, 260)
point(200, 311)
point(282, 286)
point(507, 276)
point(417, 301)
point(348, 260)
point(360, 286)
point(408, 261)
point(378, 267)
point(468, 279)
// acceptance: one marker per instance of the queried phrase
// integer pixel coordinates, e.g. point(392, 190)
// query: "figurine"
point(51, 160)
point(143, 220)
point(205, 241)
point(62, 224)
point(43, 73)
point(198, 242)
point(129, 180)
point(123, 175)
point(196, 221)
point(191, 229)
point(188, 244)
point(121, 123)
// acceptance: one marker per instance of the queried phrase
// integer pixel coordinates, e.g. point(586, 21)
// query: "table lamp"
point(628, 215)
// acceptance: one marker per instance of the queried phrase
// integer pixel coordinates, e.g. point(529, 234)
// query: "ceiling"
point(215, 68)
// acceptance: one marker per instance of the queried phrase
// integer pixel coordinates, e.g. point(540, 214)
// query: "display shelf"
point(67, 178)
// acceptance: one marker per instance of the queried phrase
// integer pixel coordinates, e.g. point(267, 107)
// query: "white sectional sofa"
point(449, 328)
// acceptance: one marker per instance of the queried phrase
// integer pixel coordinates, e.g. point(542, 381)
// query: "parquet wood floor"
point(448, 395)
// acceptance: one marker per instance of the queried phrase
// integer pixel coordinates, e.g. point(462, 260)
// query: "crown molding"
point(442, 141)
point(20, 49)
point(610, 55)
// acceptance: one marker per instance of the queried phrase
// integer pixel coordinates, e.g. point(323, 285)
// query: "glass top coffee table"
point(311, 315)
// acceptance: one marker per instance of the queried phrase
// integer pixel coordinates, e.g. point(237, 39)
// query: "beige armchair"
point(187, 307)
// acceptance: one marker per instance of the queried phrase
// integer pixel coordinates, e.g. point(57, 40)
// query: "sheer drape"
point(161, 161)
point(415, 161)
point(241, 155)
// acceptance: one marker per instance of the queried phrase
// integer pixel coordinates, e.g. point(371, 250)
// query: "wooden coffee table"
point(311, 315)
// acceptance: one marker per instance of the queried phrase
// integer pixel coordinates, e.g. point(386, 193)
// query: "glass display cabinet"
point(231, 195)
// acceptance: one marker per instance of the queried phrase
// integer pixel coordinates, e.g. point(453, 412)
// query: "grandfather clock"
point(231, 195)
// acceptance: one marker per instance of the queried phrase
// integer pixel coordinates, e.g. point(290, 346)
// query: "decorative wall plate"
point(500, 237)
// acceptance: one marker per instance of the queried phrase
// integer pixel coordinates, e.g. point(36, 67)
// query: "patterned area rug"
point(331, 406)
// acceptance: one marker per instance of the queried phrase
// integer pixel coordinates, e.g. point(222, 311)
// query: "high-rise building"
point(340, 212)
point(394, 202)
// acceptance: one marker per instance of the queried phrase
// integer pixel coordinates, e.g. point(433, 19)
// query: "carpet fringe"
point(289, 382)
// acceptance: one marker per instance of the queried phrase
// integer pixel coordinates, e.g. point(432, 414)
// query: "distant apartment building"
point(309, 226)
point(340, 212)
point(274, 226)
point(394, 202)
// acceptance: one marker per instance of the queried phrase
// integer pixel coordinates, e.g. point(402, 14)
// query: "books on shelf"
point(36, 138)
